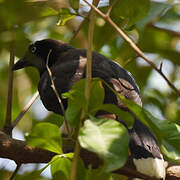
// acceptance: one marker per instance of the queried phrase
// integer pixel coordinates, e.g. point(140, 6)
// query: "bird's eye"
point(33, 49)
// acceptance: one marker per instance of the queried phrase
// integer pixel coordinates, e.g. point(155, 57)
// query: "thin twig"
point(36, 95)
point(87, 88)
point(26, 108)
point(8, 126)
point(89, 56)
point(161, 65)
point(75, 161)
point(15, 172)
point(131, 43)
point(111, 7)
point(129, 60)
point(10, 149)
point(77, 30)
point(56, 93)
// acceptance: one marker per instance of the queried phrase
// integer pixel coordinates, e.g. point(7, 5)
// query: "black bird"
point(67, 65)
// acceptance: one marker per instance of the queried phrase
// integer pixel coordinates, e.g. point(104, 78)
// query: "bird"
point(68, 65)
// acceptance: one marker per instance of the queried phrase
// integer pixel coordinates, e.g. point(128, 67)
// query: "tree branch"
point(77, 30)
point(21, 153)
point(56, 93)
point(111, 7)
point(87, 87)
point(25, 109)
point(8, 126)
point(15, 172)
point(131, 43)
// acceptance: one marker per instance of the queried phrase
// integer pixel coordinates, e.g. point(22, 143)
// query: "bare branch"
point(15, 172)
point(87, 86)
point(21, 153)
point(8, 126)
point(160, 68)
point(111, 7)
point(131, 43)
point(130, 60)
point(77, 30)
point(56, 93)
point(26, 108)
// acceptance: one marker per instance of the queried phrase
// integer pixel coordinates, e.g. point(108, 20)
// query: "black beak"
point(19, 65)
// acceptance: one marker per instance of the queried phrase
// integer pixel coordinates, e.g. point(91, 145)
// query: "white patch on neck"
point(153, 167)
point(80, 70)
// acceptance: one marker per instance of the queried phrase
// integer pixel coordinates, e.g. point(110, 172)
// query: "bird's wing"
point(61, 75)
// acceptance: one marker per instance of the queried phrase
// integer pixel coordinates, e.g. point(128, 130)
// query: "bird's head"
point(37, 54)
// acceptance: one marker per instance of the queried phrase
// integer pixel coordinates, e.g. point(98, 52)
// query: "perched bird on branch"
point(68, 65)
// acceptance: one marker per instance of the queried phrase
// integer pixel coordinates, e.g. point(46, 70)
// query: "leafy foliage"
point(152, 24)
point(107, 138)
point(46, 136)
point(76, 94)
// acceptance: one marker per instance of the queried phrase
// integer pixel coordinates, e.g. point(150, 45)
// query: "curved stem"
point(131, 43)
point(87, 88)
point(26, 108)
point(15, 172)
point(56, 93)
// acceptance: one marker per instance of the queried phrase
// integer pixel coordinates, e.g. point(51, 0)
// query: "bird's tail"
point(145, 151)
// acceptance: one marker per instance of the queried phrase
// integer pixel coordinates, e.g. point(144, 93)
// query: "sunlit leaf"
point(167, 132)
point(122, 115)
point(64, 16)
point(76, 95)
point(61, 167)
point(108, 138)
point(46, 136)
point(49, 12)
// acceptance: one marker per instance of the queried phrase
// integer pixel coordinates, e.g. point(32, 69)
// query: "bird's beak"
point(20, 64)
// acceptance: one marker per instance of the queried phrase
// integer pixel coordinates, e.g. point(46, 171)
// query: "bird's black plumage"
point(67, 65)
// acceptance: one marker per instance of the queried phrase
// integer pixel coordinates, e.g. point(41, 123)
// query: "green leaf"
point(52, 160)
point(168, 133)
point(131, 10)
point(76, 95)
point(61, 167)
point(123, 115)
point(76, 101)
point(56, 119)
point(107, 138)
point(170, 138)
point(46, 136)
point(64, 16)
point(13, 12)
point(170, 152)
point(97, 94)
point(74, 4)
point(48, 11)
